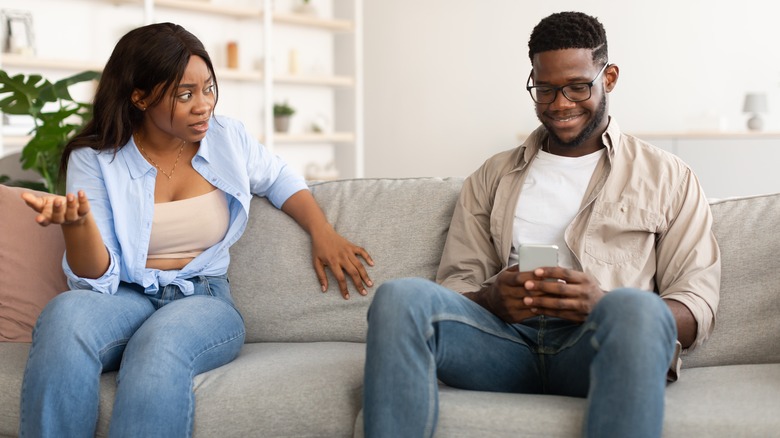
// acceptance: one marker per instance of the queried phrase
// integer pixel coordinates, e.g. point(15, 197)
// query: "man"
point(638, 274)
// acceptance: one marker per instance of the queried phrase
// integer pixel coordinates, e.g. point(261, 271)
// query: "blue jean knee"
point(637, 308)
point(396, 294)
point(637, 319)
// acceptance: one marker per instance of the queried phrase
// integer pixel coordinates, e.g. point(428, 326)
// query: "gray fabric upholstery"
point(725, 401)
point(402, 223)
point(13, 356)
point(283, 389)
point(488, 414)
point(747, 326)
point(300, 373)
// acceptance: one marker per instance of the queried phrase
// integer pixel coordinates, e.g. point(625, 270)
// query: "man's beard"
point(587, 132)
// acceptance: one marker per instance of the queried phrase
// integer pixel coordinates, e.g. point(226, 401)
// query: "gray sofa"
point(300, 372)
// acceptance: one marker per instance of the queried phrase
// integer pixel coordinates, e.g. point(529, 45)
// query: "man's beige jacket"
point(644, 223)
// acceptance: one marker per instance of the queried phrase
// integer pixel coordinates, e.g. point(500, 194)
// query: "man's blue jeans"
point(419, 332)
point(158, 343)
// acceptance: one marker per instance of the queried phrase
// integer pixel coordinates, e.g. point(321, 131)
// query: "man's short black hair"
point(569, 30)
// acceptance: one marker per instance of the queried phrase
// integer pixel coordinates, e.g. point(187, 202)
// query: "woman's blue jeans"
point(419, 332)
point(157, 342)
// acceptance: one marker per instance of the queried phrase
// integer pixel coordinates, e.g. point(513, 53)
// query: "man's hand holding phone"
point(504, 298)
point(537, 286)
point(573, 296)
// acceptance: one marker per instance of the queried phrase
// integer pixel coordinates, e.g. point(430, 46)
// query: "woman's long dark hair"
point(151, 59)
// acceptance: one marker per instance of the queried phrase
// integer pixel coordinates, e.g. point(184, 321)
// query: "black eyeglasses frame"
point(563, 88)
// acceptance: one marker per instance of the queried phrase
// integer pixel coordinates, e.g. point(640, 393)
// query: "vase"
point(281, 123)
point(306, 8)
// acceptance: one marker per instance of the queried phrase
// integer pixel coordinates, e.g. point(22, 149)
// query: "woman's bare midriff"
point(167, 264)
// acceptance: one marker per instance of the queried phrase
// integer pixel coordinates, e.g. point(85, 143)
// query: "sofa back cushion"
point(747, 325)
point(30, 266)
point(402, 223)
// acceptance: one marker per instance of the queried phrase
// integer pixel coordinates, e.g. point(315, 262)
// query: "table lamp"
point(755, 104)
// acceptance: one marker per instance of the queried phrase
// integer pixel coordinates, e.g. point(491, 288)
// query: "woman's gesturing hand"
point(70, 209)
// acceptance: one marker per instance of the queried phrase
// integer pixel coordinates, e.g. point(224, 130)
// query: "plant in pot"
point(57, 117)
point(305, 7)
point(282, 113)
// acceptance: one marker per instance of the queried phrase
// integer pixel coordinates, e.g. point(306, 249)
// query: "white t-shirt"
point(549, 201)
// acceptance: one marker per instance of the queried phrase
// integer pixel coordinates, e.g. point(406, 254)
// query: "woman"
point(158, 190)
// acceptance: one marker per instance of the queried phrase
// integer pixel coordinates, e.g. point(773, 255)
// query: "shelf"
point(328, 81)
point(13, 144)
point(331, 24)
point(207, 7)
point(202, 6)
point(691, 135)
point(290, 18)
point(22, 61)
point(16, 139)
point(335, 137)
point(711, 135)
point(238, 75)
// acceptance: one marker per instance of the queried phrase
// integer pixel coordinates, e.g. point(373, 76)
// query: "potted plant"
point(306, 8)
point(282, 113)
point(57, 117)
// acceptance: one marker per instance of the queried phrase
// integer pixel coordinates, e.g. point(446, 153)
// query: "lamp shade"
point(755, 103)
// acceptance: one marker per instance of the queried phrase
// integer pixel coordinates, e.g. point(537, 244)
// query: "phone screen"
point(530, 257)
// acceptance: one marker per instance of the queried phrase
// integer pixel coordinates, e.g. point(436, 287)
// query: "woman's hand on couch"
point(331, 249)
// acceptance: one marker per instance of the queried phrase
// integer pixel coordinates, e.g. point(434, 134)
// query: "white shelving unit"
point(332, 91)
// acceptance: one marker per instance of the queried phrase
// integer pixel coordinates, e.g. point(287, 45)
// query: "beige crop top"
point(186, 228)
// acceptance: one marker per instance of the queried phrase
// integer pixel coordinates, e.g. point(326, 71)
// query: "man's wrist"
point(480, 297)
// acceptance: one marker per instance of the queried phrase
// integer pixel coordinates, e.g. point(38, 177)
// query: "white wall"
point(445, 80)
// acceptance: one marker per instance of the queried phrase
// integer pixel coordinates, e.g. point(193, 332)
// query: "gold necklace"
point(168, 175)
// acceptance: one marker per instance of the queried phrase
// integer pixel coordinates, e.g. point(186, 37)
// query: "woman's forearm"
point(86, 253)
point(303, 208)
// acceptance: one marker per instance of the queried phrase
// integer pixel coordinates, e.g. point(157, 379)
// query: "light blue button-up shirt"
point(120, 189)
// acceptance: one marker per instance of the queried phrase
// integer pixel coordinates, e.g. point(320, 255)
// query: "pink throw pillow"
point(30, 266)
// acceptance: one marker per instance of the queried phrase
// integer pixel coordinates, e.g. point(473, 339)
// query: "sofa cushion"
point(402, 223)
point(13, 356)
point(727, 401)
point(30, 266)
point(724, 401)
point(282, 390)
point(465, 413)
point(747, 327)
point(292, 390)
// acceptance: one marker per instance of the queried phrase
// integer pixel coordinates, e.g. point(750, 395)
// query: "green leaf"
point(29, 95)
point(22, 93)
point(59, 90)
point(32, 185)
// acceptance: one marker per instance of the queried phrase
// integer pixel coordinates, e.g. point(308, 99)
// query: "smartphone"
point(530, 257)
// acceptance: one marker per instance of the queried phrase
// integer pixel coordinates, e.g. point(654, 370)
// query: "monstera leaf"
point(22, 92)
point(57, 115)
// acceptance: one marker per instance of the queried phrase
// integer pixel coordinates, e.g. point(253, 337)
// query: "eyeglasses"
point(574, 92)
